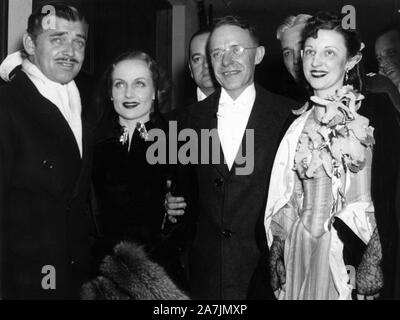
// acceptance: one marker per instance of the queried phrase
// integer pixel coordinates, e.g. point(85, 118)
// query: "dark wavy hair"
point(102, 99)
point(61, 10)
point(238, 22)
point(331, 21)
point(199, 32)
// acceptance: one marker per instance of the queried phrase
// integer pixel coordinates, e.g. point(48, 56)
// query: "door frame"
point(3, 29)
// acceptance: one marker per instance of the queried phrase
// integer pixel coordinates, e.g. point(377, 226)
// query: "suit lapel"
point(221, 166)
point(87, 132)
point(49, 112)
point(262, 123)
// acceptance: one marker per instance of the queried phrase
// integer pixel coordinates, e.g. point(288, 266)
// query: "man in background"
point(289, 33)
point(199, 64)
point(387, 52)
point(202, 75)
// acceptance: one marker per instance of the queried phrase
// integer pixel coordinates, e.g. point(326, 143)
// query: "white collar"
point(65, 97)
point(9, 64)
point(200, 95)
point(246, 98)
point(233, 116)
point(242, 106)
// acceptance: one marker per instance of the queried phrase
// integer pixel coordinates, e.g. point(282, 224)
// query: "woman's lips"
point(130, 105)
point(318, 74)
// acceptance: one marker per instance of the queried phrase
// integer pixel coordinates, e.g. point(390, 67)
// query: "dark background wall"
point(120, 25)
point(266, 15)
point(116, 26)
point(3, 28)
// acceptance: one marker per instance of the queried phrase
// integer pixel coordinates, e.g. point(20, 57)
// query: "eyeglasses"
point(236, 51)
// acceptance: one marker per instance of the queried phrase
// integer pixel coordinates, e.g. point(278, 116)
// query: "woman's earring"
point(346, 75)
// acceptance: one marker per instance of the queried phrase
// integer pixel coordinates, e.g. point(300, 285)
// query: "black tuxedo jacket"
point(43, 193)
point(229, 249)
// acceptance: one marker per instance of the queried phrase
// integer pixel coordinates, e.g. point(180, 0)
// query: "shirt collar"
point(200, 95)
point(246, 98)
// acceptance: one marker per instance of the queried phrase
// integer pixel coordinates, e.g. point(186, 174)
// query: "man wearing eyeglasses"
point(228, 258)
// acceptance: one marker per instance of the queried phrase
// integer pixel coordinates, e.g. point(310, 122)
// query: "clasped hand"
point(174, 206)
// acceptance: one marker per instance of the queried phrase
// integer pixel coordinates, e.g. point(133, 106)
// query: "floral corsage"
point(140, 127)
point(142, 131)
point(340, 139)
point(124, 135)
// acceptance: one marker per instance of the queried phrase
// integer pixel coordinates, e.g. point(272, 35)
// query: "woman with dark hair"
point(330, 217)
point(129, 191)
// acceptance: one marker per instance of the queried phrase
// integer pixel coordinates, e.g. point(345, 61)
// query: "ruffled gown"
point(305, 225)
point(308, 275)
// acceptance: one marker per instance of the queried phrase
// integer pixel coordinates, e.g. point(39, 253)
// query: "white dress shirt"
point(233, 116)
point(65, 97)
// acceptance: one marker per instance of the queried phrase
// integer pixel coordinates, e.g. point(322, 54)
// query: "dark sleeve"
point(184, 184)
point(7, 151)
point(384, 179)
point(382, 84)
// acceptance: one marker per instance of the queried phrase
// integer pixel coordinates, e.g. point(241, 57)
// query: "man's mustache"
point(68, 60)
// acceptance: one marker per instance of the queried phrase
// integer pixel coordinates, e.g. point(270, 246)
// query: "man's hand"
point(174, 206)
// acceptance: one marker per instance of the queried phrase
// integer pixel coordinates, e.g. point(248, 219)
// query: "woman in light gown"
point(320, 217)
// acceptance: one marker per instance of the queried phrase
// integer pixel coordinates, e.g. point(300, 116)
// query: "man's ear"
point(353, 61)
point(260, 52)
point(29, 44)
point(190, 69)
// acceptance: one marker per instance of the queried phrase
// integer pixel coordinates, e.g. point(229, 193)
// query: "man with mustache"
point(228, 256)
point(45, 163)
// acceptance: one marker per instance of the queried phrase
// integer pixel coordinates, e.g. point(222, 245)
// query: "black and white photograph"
point(200, 154)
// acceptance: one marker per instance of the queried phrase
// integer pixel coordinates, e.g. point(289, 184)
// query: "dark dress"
point(129, 195)
point(129, 190)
